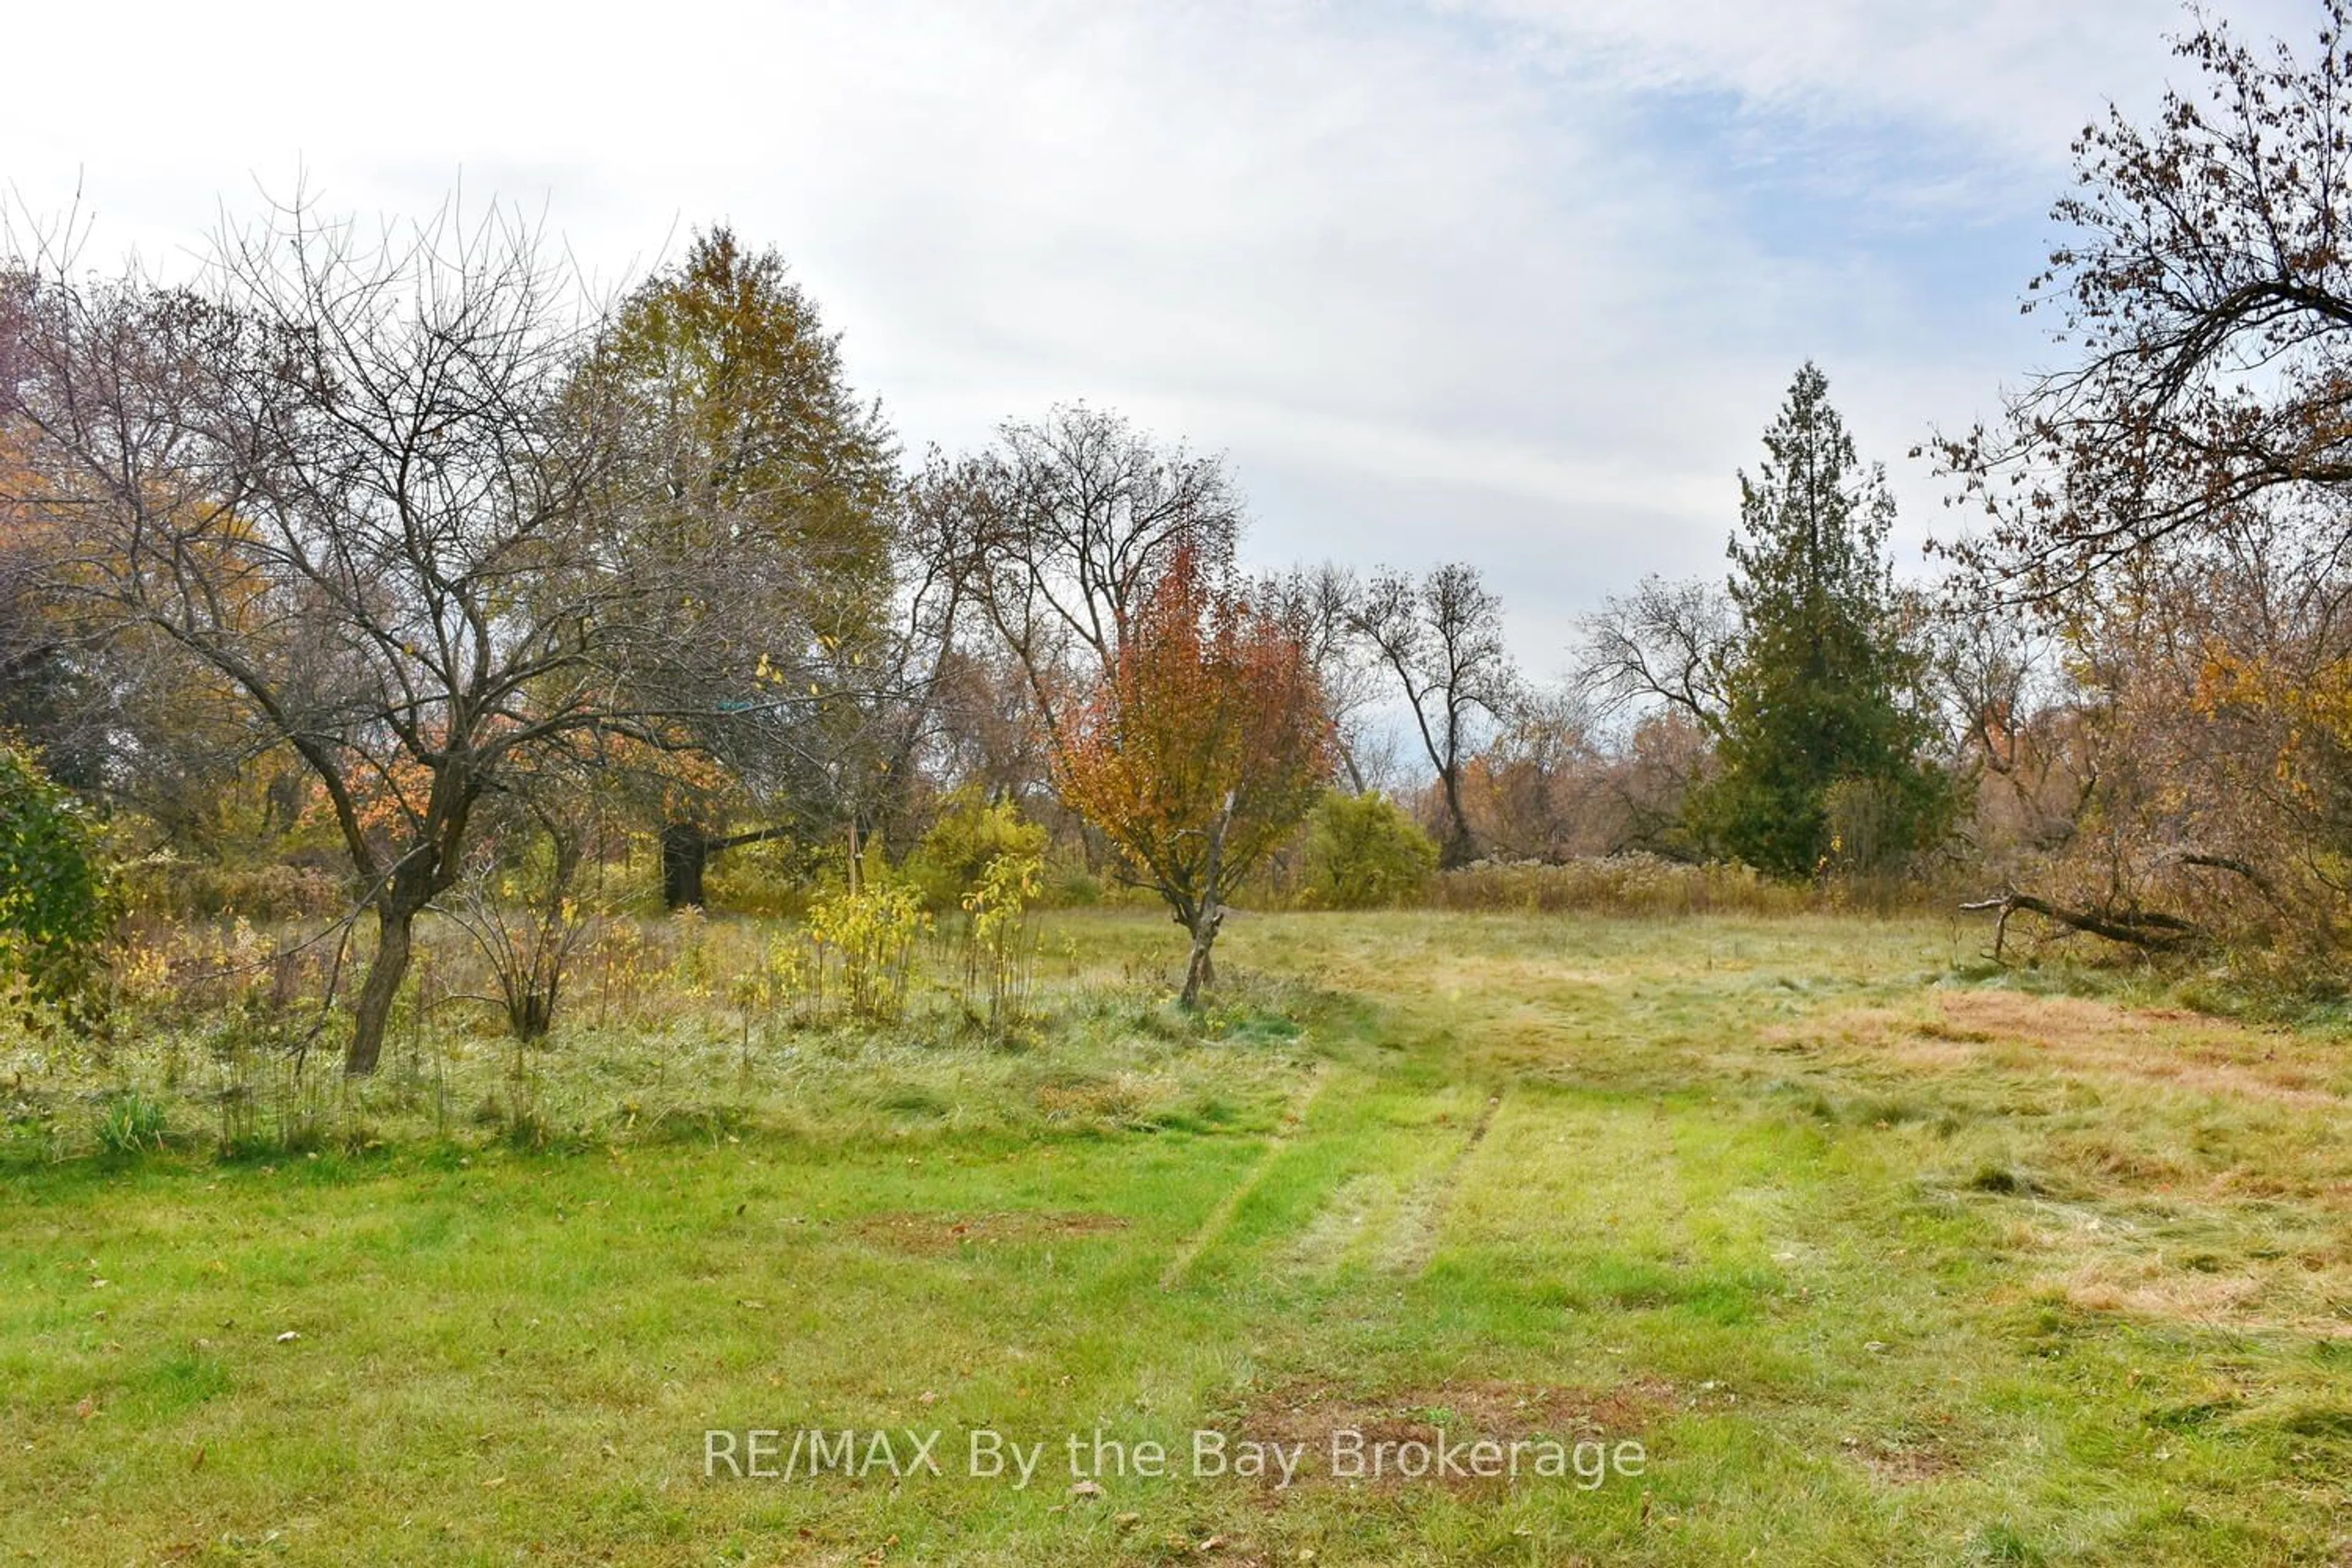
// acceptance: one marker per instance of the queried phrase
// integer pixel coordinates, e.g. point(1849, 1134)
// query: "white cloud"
point(1520, 280)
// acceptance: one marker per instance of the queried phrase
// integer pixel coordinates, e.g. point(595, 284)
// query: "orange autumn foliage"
point(1205, 745)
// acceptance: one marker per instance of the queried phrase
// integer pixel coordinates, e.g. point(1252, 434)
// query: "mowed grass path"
point(1879, 1265)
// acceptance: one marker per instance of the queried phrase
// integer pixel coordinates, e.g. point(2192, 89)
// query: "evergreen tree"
point(1820, 748)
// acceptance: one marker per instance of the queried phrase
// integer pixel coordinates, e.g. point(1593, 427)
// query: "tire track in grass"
point(1222, 1216)
point(1418, 1232)
point(1410, 1140)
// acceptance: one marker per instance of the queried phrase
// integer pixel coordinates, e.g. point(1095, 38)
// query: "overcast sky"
point(1514, 282)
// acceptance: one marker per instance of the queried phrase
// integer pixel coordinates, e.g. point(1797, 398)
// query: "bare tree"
point(1066, 525)
point(1318, 605)
point(1441, 637)
point(1665, 642)
point(2205, 287)
point(359, 479)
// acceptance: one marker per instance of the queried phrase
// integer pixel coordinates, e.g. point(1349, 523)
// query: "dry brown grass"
point(2208, 1125)
point(1964, 1030)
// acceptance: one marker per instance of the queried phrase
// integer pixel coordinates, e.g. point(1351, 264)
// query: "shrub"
point(771, 877)
point(131, 1124)
point(969, 835)
point(867, 935)
point(998, 951)
point(1363, 852)
point(164, 886)
point(53, 905)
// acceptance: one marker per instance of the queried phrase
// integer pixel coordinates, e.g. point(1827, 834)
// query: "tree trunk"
point(1459, 848)
point(1200, 971)
point(684, 852)
point(395, 925)
point(2150, 928)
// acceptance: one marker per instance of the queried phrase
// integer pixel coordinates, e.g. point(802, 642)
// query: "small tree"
point(1200, 751)
point(1821, 689)
point(52, 907)
point(518, 900)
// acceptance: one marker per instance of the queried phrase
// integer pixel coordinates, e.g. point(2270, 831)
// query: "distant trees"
point(1546, 786)
point(1666, 643)
point(1440, 639)
point(1319, 604)
point(1204, 748)
point(412, 518)
point(366, 485)
point(1064, 527)
point(1821, 728)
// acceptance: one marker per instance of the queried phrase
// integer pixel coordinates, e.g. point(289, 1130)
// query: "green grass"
point(1879, 1265)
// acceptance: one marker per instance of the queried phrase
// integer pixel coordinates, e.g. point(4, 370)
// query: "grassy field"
point(1879, 1257)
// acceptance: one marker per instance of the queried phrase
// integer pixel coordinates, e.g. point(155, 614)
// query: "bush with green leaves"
point(999, 948)
point(970, 835)
point(1363, 852)
point(863, 940)
point(53, 905)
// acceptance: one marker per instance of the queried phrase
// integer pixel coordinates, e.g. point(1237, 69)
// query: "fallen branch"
point(2151, 930)
point(2230, 863)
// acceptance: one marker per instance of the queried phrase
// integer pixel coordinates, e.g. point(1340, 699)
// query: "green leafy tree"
point(1363, 851)
point(1819, 724)
point(737, 404)
point(52, 893)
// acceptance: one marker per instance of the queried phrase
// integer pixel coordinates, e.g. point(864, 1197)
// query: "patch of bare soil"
point(930, 1235)
point(1902, 1464)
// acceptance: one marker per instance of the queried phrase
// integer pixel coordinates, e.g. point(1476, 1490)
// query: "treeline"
point(393, 570)
point(388, 560)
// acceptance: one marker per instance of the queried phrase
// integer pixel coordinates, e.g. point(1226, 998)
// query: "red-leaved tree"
point(1203, 748)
